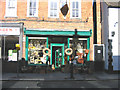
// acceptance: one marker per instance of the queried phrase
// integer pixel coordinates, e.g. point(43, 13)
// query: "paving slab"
point(60, 76)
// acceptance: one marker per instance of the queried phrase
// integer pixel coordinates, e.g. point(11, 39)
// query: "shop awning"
point(57, 32)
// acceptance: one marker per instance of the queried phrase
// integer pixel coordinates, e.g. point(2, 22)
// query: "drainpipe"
point(95, 22)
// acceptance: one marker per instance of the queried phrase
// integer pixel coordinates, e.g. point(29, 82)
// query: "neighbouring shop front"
point(10, 35)
point(56, 41)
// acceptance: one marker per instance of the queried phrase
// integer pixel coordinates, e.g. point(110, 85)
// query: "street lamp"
point(75, 42)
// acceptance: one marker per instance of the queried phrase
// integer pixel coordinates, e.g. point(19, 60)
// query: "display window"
point(81, 45)
point(7, 47)
point(80, 49)
point(35, 50)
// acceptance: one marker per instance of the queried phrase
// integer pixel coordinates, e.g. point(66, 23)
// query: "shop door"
point(57, 55)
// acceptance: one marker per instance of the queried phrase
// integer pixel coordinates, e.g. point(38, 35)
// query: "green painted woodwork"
point(55, 32)
point(24, 30)
point(88, 47)
point(47, 47)
point(57, 58)
point(57, 44)
point(68, 47)
point(26, 48)
point(48, 32)
point(47, 42)
point(38, 64)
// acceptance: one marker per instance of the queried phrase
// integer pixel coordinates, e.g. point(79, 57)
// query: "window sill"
point(32, 16)
point(53, 17)
point(75, 18)
point(10, 16)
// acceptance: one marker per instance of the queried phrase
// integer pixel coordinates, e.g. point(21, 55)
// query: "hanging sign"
point(9, 31)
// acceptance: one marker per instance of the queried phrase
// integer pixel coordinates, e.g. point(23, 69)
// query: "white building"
point(110, 30)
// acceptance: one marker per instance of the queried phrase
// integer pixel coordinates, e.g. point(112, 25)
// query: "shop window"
point(35, 51)
point(53, 8)
point(81, 45)
point(32, 8)
point(80, 49)
point(7, 48)
point(11, 8)
point(75, 8)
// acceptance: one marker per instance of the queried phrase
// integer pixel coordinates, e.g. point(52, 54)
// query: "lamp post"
point(17, 48)
point(75, 41)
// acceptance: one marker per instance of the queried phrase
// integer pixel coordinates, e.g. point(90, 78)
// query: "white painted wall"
point(113, 27)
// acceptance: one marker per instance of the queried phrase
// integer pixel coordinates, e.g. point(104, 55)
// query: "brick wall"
point(60, 23)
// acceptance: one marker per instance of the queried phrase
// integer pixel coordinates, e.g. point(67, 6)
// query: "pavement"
point(61, 76)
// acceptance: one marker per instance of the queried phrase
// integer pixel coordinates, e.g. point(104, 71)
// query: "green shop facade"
point(56, 41)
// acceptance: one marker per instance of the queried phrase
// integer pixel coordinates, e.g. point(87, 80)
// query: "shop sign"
point(9, 31)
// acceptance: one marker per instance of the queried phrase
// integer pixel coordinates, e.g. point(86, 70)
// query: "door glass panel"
point(10, 42)
point(58, 57)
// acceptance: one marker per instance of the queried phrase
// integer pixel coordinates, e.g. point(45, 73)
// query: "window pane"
point(35, 54)
point(76, 4)
point(30, 11)
point(11, 3)
point(55, 13)
point(51, 6)
point(34, 11)
point(34, 5)
point(51, 13)
point(73, 4)
point(55, 5)
point(30, 4)
point(77, 13)
point(73, 13)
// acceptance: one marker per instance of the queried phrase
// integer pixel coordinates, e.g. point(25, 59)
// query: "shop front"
point(48, 47)
point(10, 34)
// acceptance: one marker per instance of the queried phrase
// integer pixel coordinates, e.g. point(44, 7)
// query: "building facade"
point(51, 24)
point(110, 32)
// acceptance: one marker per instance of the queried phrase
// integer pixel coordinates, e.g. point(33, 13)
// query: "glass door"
point(57, 55)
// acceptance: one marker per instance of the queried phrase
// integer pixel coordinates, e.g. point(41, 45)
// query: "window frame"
point(7, 14)
point(79, 9)
point(49, 4)
point(28, 9)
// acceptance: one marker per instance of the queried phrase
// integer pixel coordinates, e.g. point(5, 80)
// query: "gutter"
point(94, 22)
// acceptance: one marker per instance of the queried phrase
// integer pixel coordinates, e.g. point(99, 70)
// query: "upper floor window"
point(75, 11)
point(32, 8)
point(11, 8)
point(53, 7)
